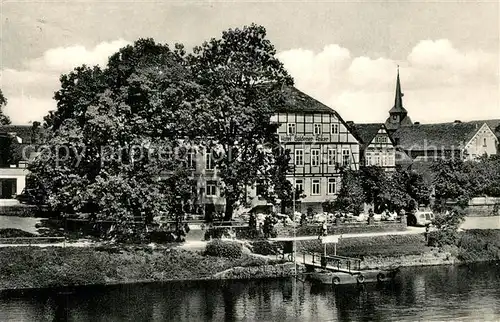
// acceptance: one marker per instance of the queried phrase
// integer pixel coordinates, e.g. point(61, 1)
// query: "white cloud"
point(440, 82)
point(25, 109)
point(29, 91)
point(63, 59)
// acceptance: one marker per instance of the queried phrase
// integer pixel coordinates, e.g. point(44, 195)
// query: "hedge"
point(223, 248)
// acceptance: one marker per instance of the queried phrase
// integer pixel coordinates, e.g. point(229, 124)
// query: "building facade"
point(377, 147)
point(320, 144)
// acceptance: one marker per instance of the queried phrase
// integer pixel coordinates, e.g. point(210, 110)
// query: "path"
point(489, 222)
point(408, 231)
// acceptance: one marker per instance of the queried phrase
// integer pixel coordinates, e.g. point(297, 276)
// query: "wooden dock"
point(331, 263)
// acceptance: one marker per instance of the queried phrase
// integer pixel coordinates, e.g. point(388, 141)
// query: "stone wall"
point(484, 206)
point(435, 257)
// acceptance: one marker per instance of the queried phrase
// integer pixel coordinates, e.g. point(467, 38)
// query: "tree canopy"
point(241, 81)
point(4, 119)
point(112, 138)
point(117, 143)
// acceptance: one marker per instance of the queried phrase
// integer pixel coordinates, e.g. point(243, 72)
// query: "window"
point(377, 159)
point(390, 160)
point(317, 129)
point(484, 142)
point(209, 162)
point(299, 157)
point(299, 185)
point(291, 128)
point(368, 160)
point(191, 159)
point(315, 189)
point(380, 139)
point(384, 159)
point(335, 128)
point(345, 157)
point(211, 188)
point(332, 156)
point(315, 157)
point(332, 186)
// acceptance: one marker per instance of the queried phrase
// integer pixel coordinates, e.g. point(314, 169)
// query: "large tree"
point(114, 137)
point(241, 83)
point(351, 196)
point(282, 189)
point(4, 119)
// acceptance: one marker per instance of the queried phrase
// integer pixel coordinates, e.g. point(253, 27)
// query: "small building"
point(16, 148)
point(377, 147)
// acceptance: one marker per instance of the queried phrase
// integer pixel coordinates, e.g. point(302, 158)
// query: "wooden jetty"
point(334, 269)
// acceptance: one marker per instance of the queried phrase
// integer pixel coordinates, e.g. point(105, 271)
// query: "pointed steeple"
point(398, 115)
point(398, 100)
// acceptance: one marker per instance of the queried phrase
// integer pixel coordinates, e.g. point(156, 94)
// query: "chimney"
point(458, 121)
point(350, 123)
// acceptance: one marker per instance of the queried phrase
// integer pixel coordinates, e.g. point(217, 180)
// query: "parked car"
point(319, 218)
point(420, 218)
point(362, 217)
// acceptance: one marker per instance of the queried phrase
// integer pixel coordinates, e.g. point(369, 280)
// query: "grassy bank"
point(412, 250)
point(33, 267)
point(395, 245)
point(477, 245)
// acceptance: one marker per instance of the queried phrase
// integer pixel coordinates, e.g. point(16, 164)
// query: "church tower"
point(398, 115)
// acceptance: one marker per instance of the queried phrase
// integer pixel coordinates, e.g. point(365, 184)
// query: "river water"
point(458, 293)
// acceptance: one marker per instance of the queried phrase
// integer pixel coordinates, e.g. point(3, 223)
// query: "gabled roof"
point(435, 136)
point(365, 132)
point(298, 101)
point(493, 124)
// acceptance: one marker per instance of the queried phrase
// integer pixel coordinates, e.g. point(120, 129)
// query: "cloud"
point(63, 59)
point(29, 91)
point(440, 82)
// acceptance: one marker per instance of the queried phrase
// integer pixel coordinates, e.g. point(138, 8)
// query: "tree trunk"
point(228, 214)
point(283, 207)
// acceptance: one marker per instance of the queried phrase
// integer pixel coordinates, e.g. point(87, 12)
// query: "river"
point(458, 293)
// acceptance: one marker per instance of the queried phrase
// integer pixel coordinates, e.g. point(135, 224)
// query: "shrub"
point(264, 247)
point(226, 249)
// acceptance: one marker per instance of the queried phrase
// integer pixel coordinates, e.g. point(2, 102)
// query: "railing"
point(339, 262)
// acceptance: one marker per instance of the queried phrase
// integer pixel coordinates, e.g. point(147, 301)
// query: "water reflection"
point(424, 294)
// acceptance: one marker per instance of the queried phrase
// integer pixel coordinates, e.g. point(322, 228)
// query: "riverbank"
point(478, 245)
point(52, 267)
point(35, 267)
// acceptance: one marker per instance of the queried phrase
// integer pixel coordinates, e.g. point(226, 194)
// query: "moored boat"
point(328, 277)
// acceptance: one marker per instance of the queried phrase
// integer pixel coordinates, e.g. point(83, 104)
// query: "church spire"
point(398, 115)
point(398, 100)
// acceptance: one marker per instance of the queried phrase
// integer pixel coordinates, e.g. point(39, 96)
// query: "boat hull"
point(341, 278)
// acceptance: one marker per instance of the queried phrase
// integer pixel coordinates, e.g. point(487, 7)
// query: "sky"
point(345, 54)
